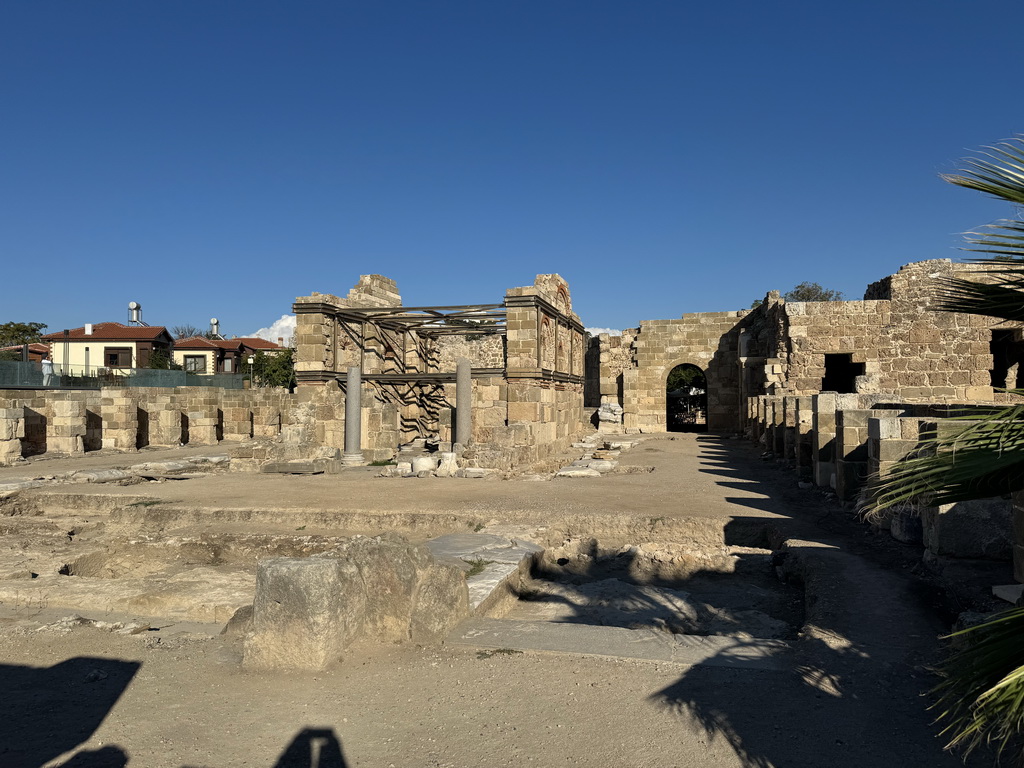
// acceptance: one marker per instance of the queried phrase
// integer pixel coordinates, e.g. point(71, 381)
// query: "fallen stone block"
point(305, 614)
point(981, 529)
point(602, 465)
point(574, 472)
point(477, 472)
point(99, 475)
point(308, 612)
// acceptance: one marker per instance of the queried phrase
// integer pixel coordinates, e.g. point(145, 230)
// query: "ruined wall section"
point(544, 376)
point(325, 346)
point(483, 351)
point(78, 421)
point(904, 346)
point(709, 340)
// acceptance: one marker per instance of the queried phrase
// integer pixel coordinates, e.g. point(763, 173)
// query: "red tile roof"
point(195, 342)
point(32, 347)
point(256, 343)
point(110, 332)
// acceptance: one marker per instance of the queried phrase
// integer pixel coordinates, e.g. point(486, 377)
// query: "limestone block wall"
point(485, 352)
point(75, 421)
point(709, 340)
point(918, 354)
point(616, 355)
point(326, 346)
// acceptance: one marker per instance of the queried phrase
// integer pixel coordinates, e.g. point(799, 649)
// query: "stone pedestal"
point(120, 422)
point(66, 427)
point(12, 430)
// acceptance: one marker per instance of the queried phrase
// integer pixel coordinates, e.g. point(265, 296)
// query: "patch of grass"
point(383, 463)
point(301, 528)
point(476, 566)
point(497, 652)
point(478, 527)
point(146, 503)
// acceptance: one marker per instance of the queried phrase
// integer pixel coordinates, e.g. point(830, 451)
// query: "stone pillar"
point(823, 451)
point(120, 421)
point(1018, 536)
point(789, 428)
point(803, 448)
point(12, 429)
point(851, 451)
point(66, 428)
point(353, 455)
point(204, 418)
point(463, 402)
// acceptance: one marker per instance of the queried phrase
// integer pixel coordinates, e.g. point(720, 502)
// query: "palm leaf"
point(981, 696)
point(1000, 175)
point(985, 458)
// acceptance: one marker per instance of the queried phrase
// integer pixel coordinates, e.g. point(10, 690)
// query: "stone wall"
point(73, 422)
point(709, 340)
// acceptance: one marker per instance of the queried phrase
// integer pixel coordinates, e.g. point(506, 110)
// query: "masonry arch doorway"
point(686, 399)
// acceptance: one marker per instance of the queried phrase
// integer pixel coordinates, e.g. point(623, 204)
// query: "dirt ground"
point(847, 694)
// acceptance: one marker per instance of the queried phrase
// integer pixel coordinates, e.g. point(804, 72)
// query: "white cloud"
point(609, 331)
point(284, 328)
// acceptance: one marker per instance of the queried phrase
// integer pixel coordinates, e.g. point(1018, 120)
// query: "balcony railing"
point(30, 375)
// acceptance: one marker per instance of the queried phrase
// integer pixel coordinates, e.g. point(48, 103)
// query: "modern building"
point(114, 347)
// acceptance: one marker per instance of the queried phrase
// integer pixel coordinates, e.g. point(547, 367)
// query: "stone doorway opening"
point(686, 399)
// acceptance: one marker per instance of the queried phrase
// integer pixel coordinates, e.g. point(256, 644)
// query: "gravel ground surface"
point(849, 693)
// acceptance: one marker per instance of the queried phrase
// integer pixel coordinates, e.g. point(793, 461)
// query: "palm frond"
point(1000, 175)
point(981, 696)
point(1002, 295)
point(985, 458)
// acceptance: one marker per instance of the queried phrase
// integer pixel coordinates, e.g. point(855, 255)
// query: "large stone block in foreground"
point(306, 612)
point(979, 529)
point(309, 611)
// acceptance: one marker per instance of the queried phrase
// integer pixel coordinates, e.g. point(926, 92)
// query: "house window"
point(227, 365)
point(117, 357)
point(195, 363)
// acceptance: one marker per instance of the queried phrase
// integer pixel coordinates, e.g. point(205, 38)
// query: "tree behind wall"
point(812, 292)
point(13, 333)
point(273, 370)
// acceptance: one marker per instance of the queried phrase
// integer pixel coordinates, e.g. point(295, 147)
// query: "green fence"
point(30, 375)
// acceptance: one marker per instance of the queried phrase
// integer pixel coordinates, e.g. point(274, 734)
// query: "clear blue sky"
point(221, 158)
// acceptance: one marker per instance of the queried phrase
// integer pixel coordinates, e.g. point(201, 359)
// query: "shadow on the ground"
point(849, 693)
point(47, 711)
point(313, 748)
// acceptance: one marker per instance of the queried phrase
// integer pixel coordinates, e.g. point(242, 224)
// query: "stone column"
point(353, 455)
point(463, 402)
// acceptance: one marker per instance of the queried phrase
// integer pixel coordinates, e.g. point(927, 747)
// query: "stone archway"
point(686, 397)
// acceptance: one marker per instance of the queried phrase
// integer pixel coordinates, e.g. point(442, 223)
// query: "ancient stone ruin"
point(513, 388)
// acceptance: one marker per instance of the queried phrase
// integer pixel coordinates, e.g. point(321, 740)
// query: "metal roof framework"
point(432, 321)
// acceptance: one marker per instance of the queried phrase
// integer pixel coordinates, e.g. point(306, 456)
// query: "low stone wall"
point(34, 422)
point(308, 612)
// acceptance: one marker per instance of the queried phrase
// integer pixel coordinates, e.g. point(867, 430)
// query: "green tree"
point(20, 333)
point(686, 376)
point(806, 292)
point(13, 333)
point(273, 370)
point(812, 292)
point(981, 698)
point(162, 360)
